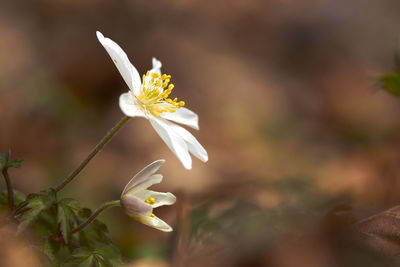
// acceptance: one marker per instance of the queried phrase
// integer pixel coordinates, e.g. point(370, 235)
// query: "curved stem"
point(10, 191)
point(98, 147)
point(95, 214)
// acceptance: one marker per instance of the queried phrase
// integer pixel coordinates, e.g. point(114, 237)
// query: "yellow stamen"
point(150, 200)
point(155, 92)
point(152, 215)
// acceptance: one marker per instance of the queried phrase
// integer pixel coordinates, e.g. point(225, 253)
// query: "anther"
point(150, 200)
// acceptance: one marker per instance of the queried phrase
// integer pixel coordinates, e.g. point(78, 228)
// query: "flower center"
point(155, 92)
point(150, 200)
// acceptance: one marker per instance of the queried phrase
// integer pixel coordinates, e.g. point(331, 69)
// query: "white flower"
point(149, 98)
point(138, 202)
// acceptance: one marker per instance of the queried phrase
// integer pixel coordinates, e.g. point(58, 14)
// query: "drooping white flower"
point(138, 202)
point(149, 98)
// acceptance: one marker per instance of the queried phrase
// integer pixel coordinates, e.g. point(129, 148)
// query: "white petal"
point(129, 107)
point(162, 199)
point(137, 189)
point(193, 145)
point(155, 222)
point(173, 141)
point(121, 61)
point(135, 207)
point(183, 116)
point(156, 66)
point(156, 69)
point(145, 176)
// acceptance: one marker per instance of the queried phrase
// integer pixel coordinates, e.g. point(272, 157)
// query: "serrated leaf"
point(80, 262)
point(105, 256)
point(50, 249)
point(50, 193)
point(110, 254)
point(102, 231)
point(66, 217)
point(36, 206)
point(81, 252)
point(391, 82)
point(100, 262)
point(72, 203)
point(88, 262)
point(93, 234)
point(45, 226)
point(16, 163)
point(33, 196)
point(85, 212)
point(36, 203)
point(4, 161)
point(79, 257)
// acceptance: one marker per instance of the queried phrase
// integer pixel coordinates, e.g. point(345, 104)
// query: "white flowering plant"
point(71, 235)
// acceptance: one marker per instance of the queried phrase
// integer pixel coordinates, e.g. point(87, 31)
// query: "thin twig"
point(98, 147)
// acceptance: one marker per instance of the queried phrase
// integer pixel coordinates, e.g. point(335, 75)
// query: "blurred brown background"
point(290, 113)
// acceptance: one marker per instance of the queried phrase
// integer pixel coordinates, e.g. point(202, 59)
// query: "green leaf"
point(46, 224)
point(105, 256)
point(37, 203)
point(101, 262)
point(4, 161)
point(66, 217)
point(101, 231)
point(80, 257)
point(85, 212)
point(88, 262)
point(71, 203)
point(110, 254)
point(50, 249)
point(16, 163)
point(93, 234)
point(81, 252)
point(36, 207)
point(391, 82)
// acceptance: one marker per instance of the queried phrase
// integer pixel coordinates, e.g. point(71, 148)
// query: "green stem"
point(98, 147)
point(10, 191)
point(95, 214)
